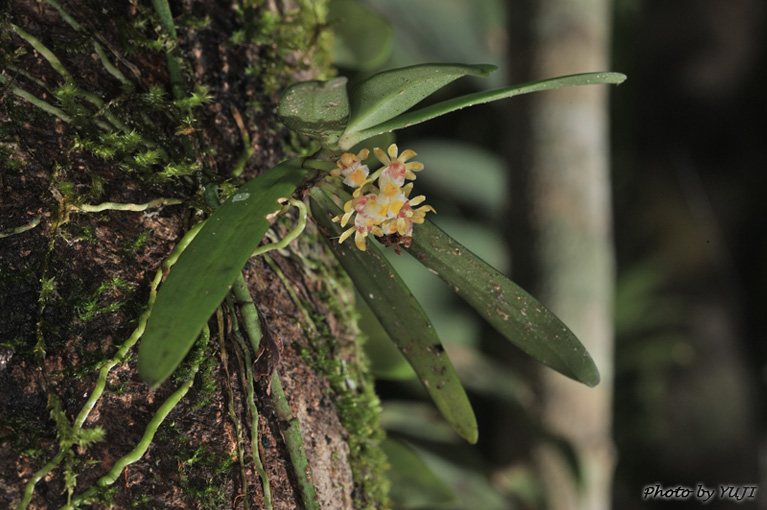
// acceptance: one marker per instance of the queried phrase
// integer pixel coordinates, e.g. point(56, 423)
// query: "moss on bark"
point(88, 116)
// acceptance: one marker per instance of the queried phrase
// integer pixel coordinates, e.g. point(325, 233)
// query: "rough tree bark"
point(562, 237)
point(88, 117)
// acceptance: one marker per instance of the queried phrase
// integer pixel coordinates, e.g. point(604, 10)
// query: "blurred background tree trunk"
point(561, 227)
point(88, 116)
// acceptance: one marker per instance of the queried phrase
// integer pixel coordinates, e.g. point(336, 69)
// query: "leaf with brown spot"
point(403, 319)
point(505, 305)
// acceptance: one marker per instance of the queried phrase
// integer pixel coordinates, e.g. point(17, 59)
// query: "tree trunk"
point(562, 244)
point(91, 115)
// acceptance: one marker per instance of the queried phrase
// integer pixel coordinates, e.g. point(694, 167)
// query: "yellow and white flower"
point(352, 169)
point(385, 209)
point(397, 166)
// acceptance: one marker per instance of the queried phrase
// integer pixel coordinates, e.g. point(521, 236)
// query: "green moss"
point(47, 287)
point(354, 396)
point(105, 496)
point(101, 300)
point(26, 437)
point(294, 40)
point(204, 494)
point(67, 189)
point(149, 151)
point(131, 248)
point(88, 234)
point(203, 471)
point(206, 381)
point(199, 355)
point(118, 388)
point(192, 23)
point(68, 436)
point(139, 500)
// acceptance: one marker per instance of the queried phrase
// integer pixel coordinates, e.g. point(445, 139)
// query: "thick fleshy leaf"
point(506, 306)
point(204, 272)
point(386, 361)
point(402, 318)
point(362, 39)
point(318, 109)
point(385, 95)
point(413, 485)
point(352, 137)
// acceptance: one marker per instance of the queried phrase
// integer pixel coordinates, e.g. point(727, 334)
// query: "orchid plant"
point(346, 198)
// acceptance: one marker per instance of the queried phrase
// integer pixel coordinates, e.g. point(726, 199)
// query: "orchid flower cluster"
point(382, 208)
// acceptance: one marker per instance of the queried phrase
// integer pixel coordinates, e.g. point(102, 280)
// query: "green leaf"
point(352, 137)
point(413, 484)
point(362, 39)
point(385, 95)
point(416, 419)
point(506, 306)
point(386, 361)
point(402, 318)
point(204, 272)
point(467, 474)
point(315, 108)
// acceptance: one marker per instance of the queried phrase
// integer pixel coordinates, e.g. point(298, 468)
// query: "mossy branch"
point(295, 444)
point(151, 429)
point(230, 404)
point(292, 432)
point(119, 356)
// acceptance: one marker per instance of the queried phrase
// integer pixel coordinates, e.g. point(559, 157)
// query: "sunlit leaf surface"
point(353, 136)
point(385, 95)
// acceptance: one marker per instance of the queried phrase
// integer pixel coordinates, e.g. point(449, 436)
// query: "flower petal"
point(415, 166)
point(345, 235)
point(407, 154)
point(381, 155)
point(359, 240)
point(393, 150)
point(418, 200)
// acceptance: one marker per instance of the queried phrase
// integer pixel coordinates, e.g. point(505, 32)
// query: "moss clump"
point(27, 437)
point(203, 471)
point(206, 381)
point(101, 300)
point(132, 247)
